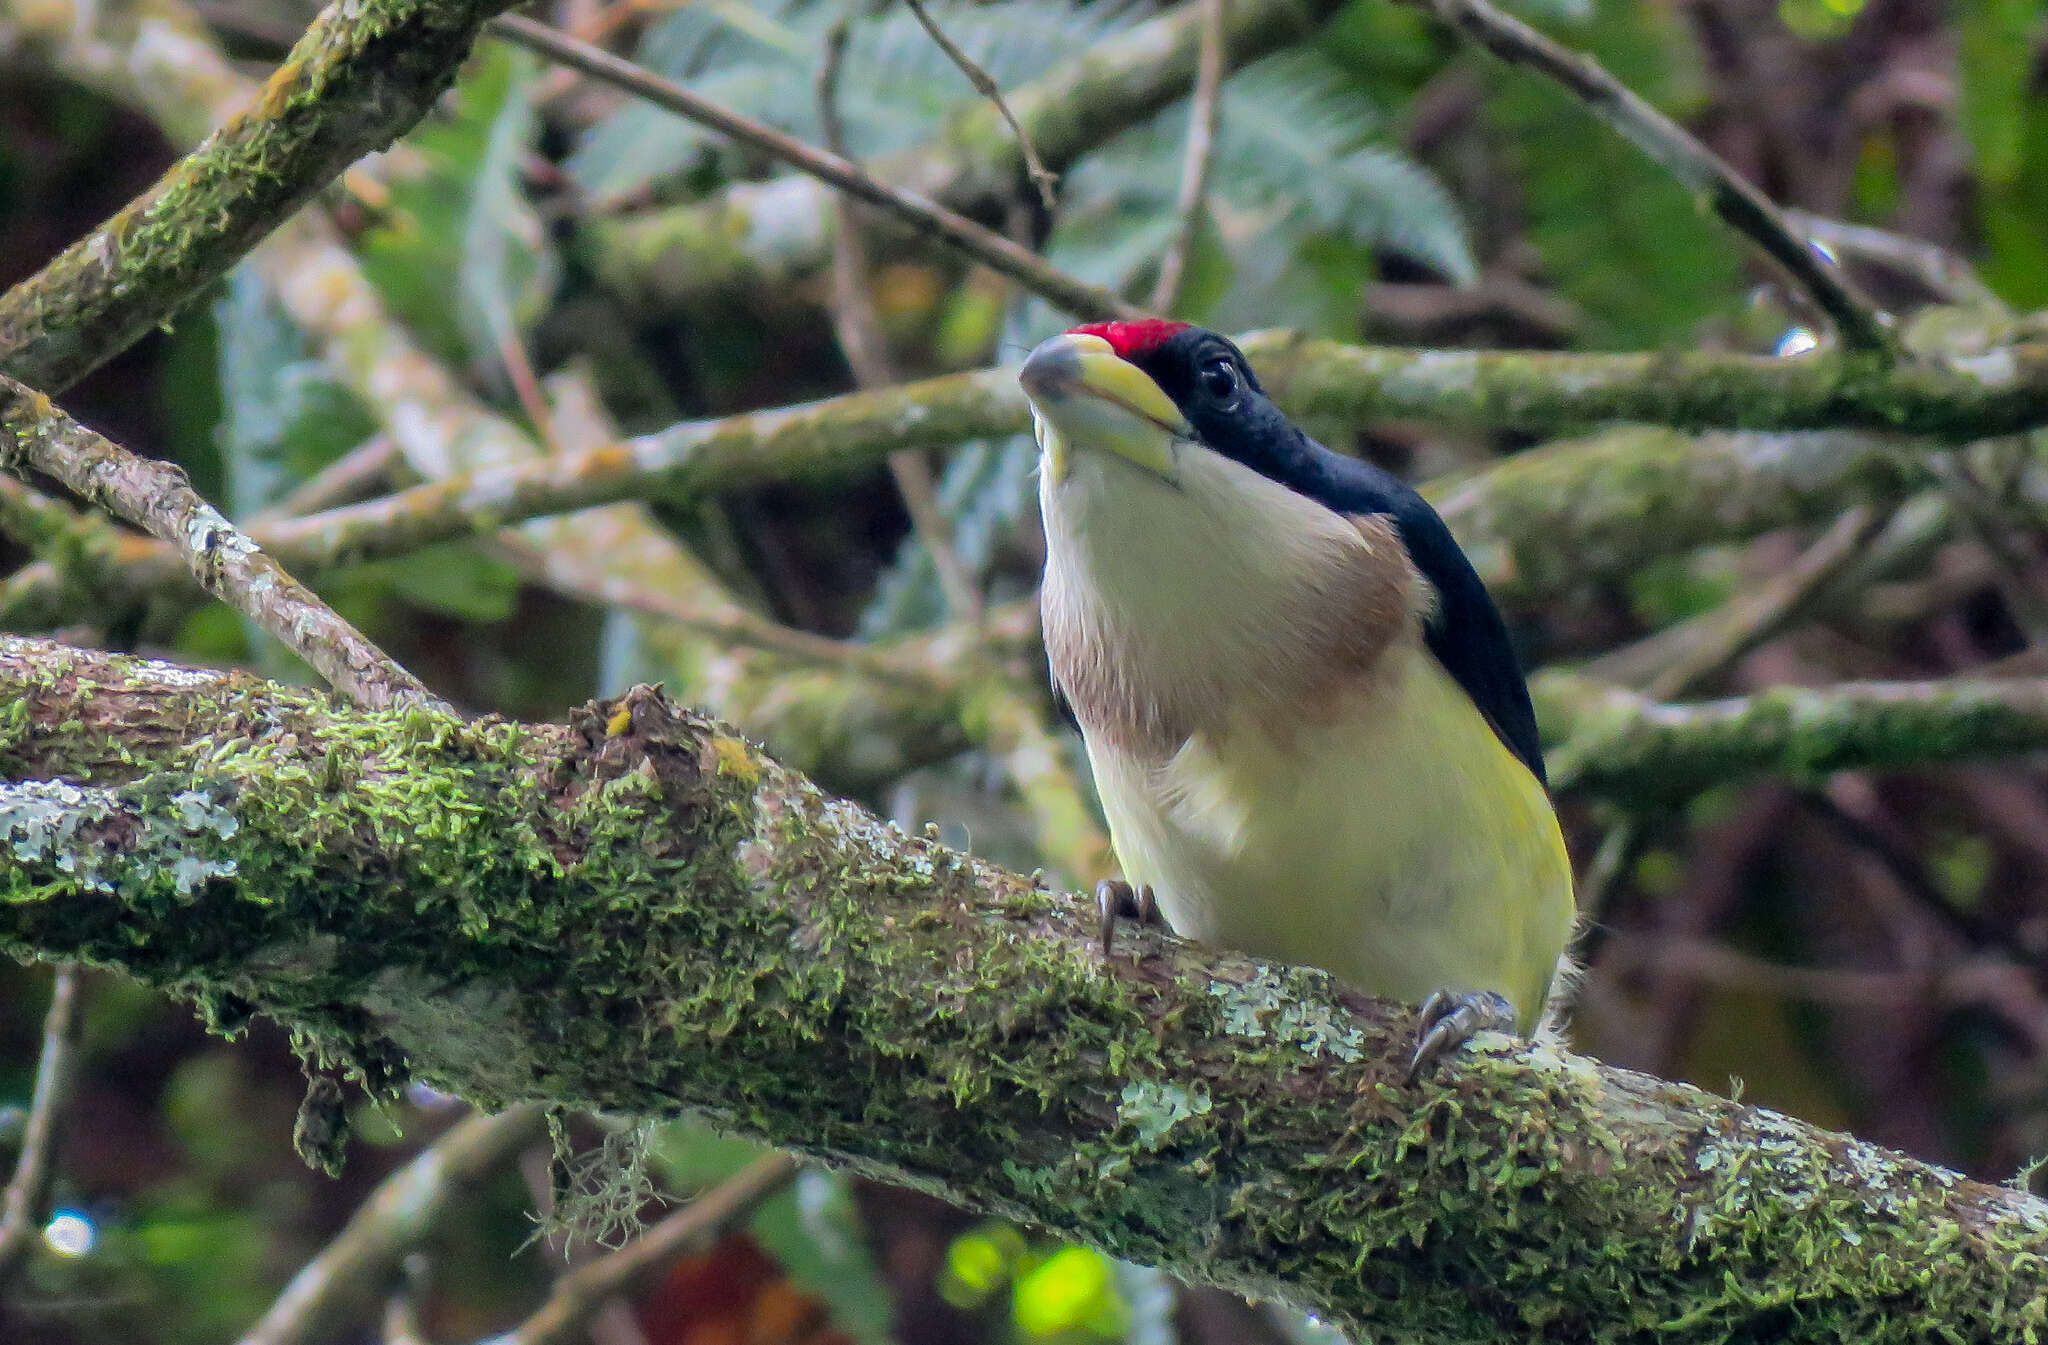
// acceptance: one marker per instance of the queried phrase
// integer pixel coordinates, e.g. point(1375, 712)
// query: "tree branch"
point(1196, 159)
point(1078, 297)
point(155, 496)
point(23, 1204)
point(360, 77)
point(1541, 524)
point(1698, 169)
point(639, 912)
point(342, 1286)
point(1620, 744)
point(579, 1294)
point(984, 84)
point(781, 229)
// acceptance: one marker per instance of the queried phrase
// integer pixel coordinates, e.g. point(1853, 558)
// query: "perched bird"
point(1308, 729)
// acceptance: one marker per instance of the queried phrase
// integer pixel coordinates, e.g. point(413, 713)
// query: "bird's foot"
point(1447, 1020)
point(1115, 897)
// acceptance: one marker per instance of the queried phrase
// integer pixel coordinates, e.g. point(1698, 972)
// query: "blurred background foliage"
point(1374, 181)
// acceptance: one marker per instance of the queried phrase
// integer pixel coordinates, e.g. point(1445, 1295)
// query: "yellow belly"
point(1400, 847)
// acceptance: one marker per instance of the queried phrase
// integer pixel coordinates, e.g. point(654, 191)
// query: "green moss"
point(639, 912)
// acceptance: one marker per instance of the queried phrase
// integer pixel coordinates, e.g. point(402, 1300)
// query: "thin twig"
point(985, 85)
point(1983, 516)
point(589, 1286)
point(1944, 274)
point(341, 1285)
point(986, 246)
point(1679, 661)
point(858, 328)
point(356, 475)
point(28, 1191)
point(1196, 159)
point(1698, 169)
point(156, 497)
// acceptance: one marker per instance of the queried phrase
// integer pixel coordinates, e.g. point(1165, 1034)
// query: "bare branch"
point(580, 1293)
point(356, 475)
point(343, 1284)
point(1195, 159)
point(1678, 661)
point(1698, 169)
point(984, 84)
point(1944, 274)
point(984, 245)
point(25, 1201)
point(859, 330)
point(156, 497)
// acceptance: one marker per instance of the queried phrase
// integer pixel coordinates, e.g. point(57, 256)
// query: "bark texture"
point(639, 911)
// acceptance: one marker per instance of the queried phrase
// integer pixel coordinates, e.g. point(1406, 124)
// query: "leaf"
point(457, 210)
point(1994, 37)
point(283, 416)
point(1617, 235)
point(1295, 165)
point(985, 489)
point(896, 90)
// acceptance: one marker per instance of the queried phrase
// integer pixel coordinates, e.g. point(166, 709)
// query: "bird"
point(1308, 729)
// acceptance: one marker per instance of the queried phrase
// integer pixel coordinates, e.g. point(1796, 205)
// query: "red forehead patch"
point(1131, 338)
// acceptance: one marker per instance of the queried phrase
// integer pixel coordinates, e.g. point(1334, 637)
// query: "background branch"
point(156, 497)
point(359, 78)
point(1701, 171)
point(1078, 297)
point(25, 1201)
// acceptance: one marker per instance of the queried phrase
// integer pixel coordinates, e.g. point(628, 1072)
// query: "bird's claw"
point(1115, 897)
point(1447, 1020)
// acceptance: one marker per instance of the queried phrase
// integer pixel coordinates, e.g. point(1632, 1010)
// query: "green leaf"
point(1995, 37)
point(1616, 233)
point(457, 210)
point(455, 578)
point(897, 87)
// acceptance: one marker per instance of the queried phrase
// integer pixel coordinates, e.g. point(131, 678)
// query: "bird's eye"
point(1219, 379)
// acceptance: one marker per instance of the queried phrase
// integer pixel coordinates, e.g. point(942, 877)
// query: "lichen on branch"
point(639, 911)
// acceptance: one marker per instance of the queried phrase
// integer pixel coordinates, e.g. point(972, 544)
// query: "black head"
point(1208, 378)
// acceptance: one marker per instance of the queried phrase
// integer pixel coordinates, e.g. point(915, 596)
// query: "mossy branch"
point(361, 76)
point(640, 912)
point(1616, 743)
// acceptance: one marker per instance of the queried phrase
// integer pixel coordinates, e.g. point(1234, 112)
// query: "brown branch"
point(985, 85)
point(356, 475)
point(1196, 159)
point(156, 497)
point(22, 1205)
point(1698, 169)
point(991, 249)
point(858, 328)
point(580, 1293)
point(342, 1285)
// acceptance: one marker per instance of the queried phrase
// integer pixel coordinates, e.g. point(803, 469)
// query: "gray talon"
point(1449, 1018)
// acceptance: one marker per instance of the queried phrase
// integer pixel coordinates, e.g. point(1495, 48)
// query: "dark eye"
point(1219, 379)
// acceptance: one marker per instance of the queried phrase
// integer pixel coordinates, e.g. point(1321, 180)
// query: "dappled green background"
point(1373, 182)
